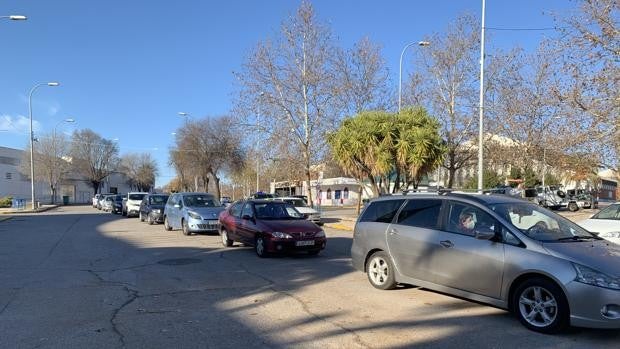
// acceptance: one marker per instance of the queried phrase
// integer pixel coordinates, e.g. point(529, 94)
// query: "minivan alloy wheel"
point(225, 240)
point(380, 271)
point(259, 247)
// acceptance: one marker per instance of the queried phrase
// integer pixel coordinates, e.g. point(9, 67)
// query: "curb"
point(5, 218)
point(43, 209)
point(338, 226)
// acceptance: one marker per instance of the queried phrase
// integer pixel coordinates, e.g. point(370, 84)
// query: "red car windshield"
point(276, 211)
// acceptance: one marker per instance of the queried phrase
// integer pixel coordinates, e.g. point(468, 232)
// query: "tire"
point(541, 306)
point(141, 216)
point(573, 207)
point(185, 228)
point(149, 219)
point(380, 271)
point(124, 213)
point(166, 225)
point(225, 240)
point(314, 252)
point(260, 247)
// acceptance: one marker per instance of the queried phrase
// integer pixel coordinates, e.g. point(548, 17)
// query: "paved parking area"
point(76, 277)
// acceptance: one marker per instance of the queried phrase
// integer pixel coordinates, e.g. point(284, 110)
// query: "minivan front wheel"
point(541, 306)
point(381, 271)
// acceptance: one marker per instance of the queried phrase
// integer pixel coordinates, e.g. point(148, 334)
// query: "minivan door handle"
point(446, 243)
point(393, 231)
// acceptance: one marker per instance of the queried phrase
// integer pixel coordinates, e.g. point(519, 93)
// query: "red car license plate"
point(305, 243)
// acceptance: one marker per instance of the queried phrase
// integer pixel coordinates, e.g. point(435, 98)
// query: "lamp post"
point(400, 70)
point(15, 17)
point(51, 84)
point(261, 94)
point(481, 106)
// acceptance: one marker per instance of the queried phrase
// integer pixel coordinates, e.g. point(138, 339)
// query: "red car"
point(271, 227)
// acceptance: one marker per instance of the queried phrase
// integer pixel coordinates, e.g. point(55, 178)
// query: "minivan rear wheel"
point(166, 224)
point(541, 306)
point(381, 271)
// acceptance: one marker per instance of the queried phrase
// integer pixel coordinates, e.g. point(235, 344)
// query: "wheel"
point(260, 246)
point(381, 271)
point(541, 306)
point(141, 216)
point(314, 252)
point(185, 227)
point(572, 206)
point(225, 240)
point(149, 219)
point(166, 225)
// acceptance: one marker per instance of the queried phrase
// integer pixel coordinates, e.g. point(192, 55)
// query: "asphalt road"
point(78, 278)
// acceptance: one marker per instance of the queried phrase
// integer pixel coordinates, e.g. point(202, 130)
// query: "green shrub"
point(6, 201)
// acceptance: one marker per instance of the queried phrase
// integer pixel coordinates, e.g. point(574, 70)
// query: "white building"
point(79, 190)
point(338, 191)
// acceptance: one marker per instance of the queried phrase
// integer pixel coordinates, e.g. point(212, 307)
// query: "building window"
point(8, 175)
point(345, 194)
point(329, 193)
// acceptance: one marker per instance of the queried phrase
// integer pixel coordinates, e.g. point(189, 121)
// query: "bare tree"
point(51, 156)
point(448, 76)
point(363, 78)
point(141, 170)
point(292, 79)
point(93, 156)
point(589, 47)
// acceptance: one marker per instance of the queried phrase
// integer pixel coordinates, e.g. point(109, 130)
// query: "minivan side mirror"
point(484, 233)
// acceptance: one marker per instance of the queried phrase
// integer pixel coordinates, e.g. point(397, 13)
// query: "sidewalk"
point(10, 211)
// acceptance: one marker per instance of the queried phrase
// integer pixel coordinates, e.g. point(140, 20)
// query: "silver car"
point(493, 249)
point(192, 213)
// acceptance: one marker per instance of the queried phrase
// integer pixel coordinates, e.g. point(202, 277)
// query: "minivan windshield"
point(200, 201)
point(276, 211)
point(541, 224)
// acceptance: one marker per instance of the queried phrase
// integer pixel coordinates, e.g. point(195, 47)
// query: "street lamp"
point(400, 71)
point(51, 84)
point(15, 17)
point(481, 106)
point(261, 94)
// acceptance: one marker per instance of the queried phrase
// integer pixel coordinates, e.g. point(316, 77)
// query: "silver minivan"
point(493, 249)
point(192, 213)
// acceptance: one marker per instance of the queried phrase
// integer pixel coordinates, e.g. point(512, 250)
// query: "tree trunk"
point(53, 192)
point(359, 197)
point(396, 181)
point(217, 186)
point(96, 185)
point(308, 178)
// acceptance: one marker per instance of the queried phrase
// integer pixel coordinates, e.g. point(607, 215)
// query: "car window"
point(609, 212)
point(247, 210)
point(235, 209)
point(509, 238)
point(422, 213)
point(200, 201)
point(136, 196)
point(296, 202)
point(276, 211)
point(381, 211)
point(465, 219)
point(158, 199)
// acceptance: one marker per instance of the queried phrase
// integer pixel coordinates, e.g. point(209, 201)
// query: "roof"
point(483, 199)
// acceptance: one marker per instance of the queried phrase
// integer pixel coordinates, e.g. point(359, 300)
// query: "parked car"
point(606, 223)
point(261, 195)
point(303, 197)
point(100, 200)
point(192, 213)
point(96, 200)
point(152, 208)
point(301, 206)
point(107, 203)
point(225, 201)
point(507, 252)
point(131, 203)
point(271, 227)
point(554, 197)
point(117, 207)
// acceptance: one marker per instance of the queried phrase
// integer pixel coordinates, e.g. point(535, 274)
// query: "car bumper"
point(203, 225)
point(281, 245)
point(586, 304)
point(157, 217)
point(133, 210)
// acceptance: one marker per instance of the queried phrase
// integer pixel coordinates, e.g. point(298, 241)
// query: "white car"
point(606, 223)
point(131, 203)
point(303, 208)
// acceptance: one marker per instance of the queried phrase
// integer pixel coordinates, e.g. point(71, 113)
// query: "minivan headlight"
point(194, 215)
point(281, 235)
point(592, 277)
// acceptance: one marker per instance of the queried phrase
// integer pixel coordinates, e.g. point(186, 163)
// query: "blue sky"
point(127, 68)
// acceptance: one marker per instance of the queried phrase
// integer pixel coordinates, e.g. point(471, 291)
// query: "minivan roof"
point(484, 199)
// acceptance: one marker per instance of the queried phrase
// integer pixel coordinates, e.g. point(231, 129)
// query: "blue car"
point(192, 213)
